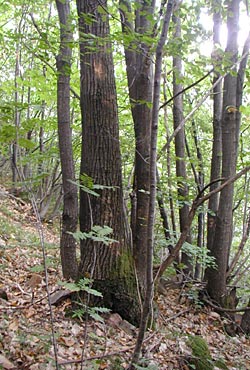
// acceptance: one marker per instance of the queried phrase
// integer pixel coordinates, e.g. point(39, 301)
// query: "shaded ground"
point(25, 319)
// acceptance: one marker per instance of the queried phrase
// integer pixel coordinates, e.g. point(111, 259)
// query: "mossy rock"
point(201, 357)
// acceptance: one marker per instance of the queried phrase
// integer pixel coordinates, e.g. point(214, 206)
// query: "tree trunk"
point(17, 113)
point(147, 304)
point(180, 144)
point(217, 111)
point(109, 264)
point(70, 201)
point(140, 82)
point(224, 220)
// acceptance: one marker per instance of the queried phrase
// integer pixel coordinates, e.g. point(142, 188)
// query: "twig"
point(186, 88)
point(115, 353)
point(221, 309)
point(19, 200)
point(41, 236)
point(176, 315)
point(198, 105)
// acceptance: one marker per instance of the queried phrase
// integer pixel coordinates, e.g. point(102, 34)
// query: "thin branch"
point(43, 59)
point(241, 246)
point(187, 88)
point(221, 309)
point(41, 236)
point(199, 104)
point(196, 203)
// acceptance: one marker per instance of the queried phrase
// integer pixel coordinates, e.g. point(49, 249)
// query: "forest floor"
point(26, 320)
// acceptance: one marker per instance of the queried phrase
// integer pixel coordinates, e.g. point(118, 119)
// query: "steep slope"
point(26, 321)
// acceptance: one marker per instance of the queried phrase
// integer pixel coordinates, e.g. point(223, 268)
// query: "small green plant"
point(84, 285)
point(115, 363)
point(193, 294)
point(93, 312)
point(97, 233)
point(144, 363)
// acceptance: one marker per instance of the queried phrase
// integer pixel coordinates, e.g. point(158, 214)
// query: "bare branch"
point(196, 203)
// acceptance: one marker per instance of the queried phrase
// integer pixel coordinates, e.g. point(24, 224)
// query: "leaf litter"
point(25, 327)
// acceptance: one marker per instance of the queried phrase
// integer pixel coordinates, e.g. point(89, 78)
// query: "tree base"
point(118, 296)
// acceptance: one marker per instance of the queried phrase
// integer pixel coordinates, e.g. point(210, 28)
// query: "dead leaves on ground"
point(25, 322)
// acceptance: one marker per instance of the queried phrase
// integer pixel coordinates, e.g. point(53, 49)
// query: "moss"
point(201, 356)
point(120, 296)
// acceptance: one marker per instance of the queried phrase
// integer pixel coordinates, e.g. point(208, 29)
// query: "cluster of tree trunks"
point(122, 269)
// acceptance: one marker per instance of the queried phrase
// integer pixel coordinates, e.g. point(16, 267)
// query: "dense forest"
point(124, 124)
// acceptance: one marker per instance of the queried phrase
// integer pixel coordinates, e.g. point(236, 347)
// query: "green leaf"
point(92, 291)
point(73, 287)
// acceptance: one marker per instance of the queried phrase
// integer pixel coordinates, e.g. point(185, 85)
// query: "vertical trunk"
point(216, 149)
point(170, 184)
point(27, 168)
point(199, 179)
point(70, 203)
point(147, 305)
point(140, 82)
point(180, 144)
point(224, 219)
point(17, 114)
point(109, 263)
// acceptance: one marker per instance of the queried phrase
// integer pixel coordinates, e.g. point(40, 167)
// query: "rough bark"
point(70, 201)
point(245, 322)
point(224, 220)
point(140, 82)
point(110, 266)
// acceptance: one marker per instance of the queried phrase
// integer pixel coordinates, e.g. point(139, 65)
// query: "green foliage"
point(81, 285)
point(93, 312)
point(97, 234)
point(84, 285)
point(199, 255)
point(87, 185)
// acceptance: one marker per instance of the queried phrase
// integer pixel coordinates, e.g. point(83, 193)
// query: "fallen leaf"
point(5, 363)
point(14, 325)
point(67, 341)
point(34, 281)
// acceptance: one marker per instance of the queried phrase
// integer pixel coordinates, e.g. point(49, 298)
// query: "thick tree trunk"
point(140, 82)
point(224, 220)
point(109, 264)
point(70, 202)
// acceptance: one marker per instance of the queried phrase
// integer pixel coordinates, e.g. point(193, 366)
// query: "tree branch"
point(196, 203)
point(187, 88)
point(199, 104)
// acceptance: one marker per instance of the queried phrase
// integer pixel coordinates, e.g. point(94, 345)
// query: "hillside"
point(26, 320)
